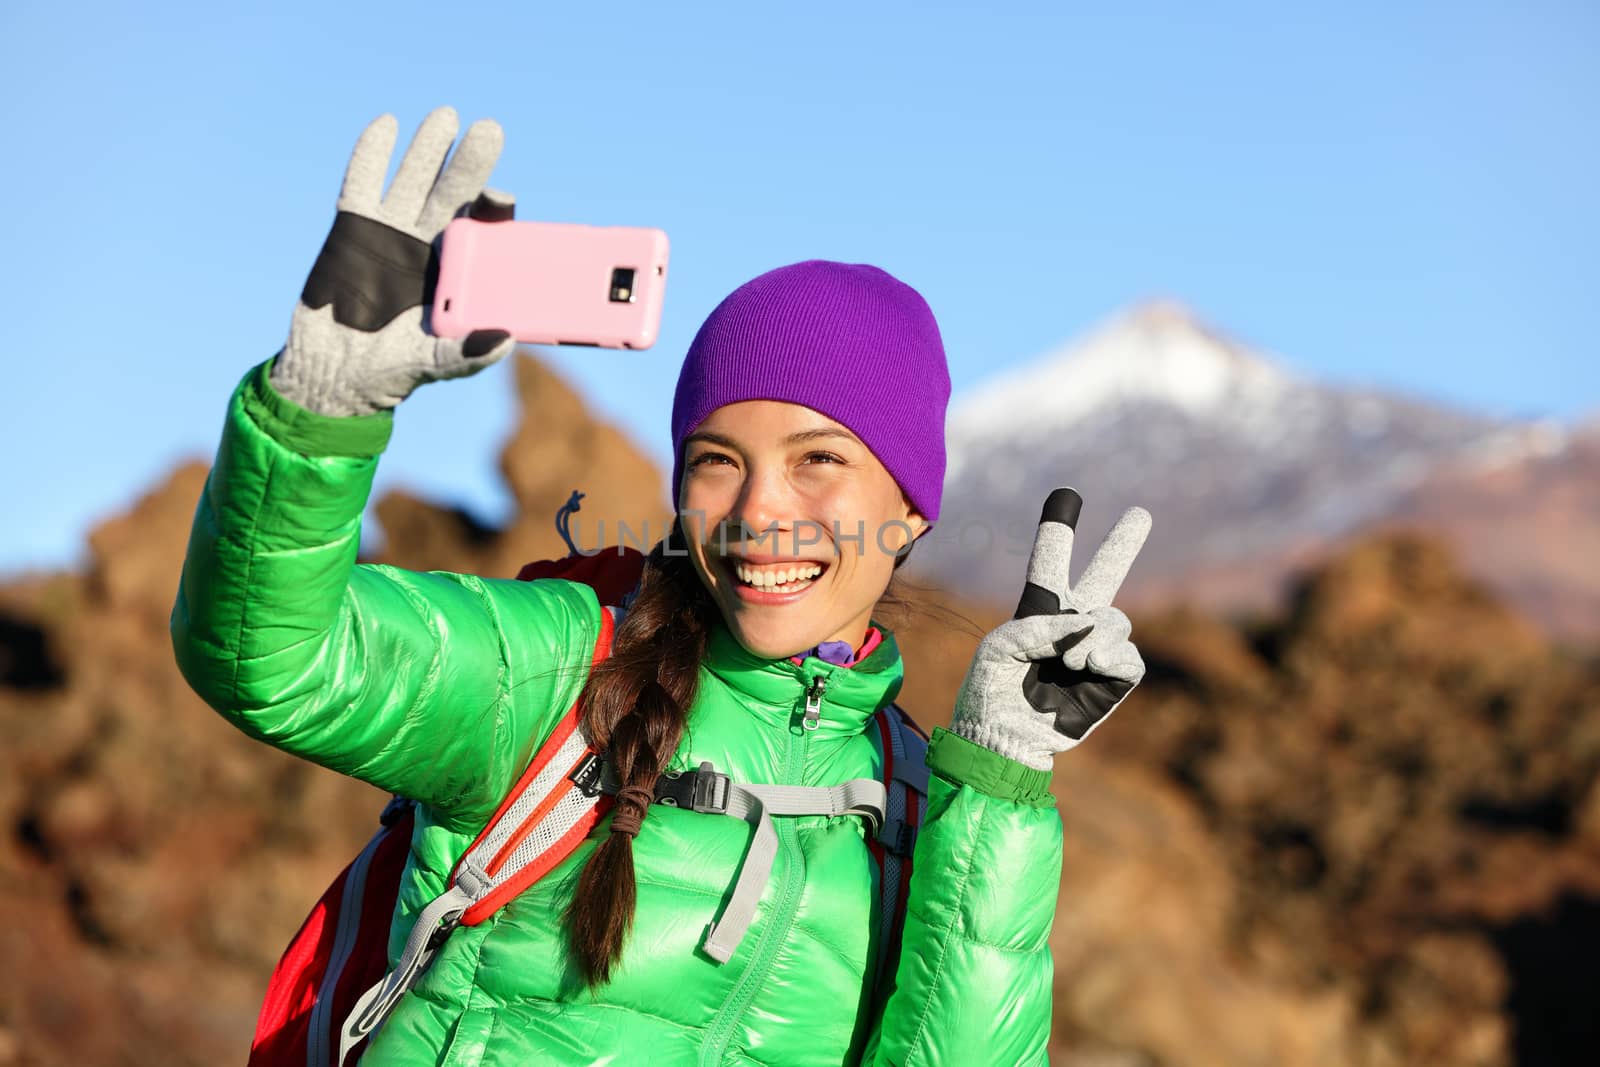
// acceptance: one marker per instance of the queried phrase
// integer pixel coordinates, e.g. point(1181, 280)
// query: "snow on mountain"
point(1157, 353)
point(1237, 458)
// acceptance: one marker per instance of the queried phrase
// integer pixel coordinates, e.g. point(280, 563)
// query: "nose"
point(764, 506)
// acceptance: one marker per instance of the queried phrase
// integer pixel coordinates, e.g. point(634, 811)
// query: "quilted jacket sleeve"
point(975, 977)
point(436, 686)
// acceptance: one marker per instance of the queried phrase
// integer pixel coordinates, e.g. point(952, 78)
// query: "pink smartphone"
point(551, 283)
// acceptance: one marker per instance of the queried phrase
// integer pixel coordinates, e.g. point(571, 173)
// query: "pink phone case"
point(551, 283)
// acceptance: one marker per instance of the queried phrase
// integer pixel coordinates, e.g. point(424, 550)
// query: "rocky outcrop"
point(558, 447)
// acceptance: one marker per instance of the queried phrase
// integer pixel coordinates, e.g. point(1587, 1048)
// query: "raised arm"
point(431, 685)
point(975, 977)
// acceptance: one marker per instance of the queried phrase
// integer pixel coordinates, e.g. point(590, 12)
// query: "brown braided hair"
point(635, 704)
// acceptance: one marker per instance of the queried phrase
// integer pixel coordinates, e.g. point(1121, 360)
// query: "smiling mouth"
point(789, 576)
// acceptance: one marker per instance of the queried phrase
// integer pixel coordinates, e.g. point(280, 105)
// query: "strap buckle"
point(898, 836)
point(586, 775)
point(704, 789)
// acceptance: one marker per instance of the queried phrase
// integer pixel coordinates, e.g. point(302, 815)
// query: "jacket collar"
point(775, 689)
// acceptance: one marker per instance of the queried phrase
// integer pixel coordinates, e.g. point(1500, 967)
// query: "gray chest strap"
point(708, 791)
point(757, 804)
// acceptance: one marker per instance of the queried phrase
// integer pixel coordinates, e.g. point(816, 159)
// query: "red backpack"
point(333, 987)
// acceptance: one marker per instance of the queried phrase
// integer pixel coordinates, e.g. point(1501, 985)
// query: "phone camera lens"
point(622, 285)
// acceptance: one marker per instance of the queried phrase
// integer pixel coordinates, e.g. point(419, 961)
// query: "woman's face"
point(792, 524)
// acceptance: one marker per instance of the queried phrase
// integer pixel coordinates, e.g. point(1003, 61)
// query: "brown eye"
point(823, 457)
point(708, 457)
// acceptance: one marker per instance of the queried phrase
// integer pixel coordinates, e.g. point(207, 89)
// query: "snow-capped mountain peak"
point(1246, 468)
point(1157, 351)
point(1234, 455)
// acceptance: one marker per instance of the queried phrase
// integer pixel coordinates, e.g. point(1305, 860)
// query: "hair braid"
point(635, 704)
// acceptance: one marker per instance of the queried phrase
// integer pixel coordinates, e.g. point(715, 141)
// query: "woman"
point(808, 434)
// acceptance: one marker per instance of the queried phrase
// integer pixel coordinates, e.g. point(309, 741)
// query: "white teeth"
point(782, 576)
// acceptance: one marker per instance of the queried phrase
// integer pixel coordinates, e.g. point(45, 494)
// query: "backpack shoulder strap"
point(905, 779)
point(538, 824)
point(543, 816)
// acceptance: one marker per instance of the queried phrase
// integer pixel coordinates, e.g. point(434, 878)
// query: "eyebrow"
point(798, 437)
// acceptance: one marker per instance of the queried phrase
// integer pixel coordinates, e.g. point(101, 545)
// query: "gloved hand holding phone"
point(1042, 682)
point(359, 342)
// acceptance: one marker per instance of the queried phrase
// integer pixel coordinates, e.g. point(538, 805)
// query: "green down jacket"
point(441, 687)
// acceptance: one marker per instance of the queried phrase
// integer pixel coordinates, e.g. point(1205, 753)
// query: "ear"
point(914, 519)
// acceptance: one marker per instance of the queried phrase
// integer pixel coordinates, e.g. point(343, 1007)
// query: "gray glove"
point(359, 340)
point(1042, 682)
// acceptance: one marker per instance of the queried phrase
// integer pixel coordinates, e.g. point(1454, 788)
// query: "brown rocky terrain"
point(1364, 831)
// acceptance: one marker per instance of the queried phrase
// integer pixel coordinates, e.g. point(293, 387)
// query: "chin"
point(765, 643)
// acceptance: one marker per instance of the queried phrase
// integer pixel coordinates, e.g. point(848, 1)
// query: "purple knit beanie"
point(846, 339)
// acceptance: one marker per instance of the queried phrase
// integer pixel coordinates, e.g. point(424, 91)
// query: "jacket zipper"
point(790, 883)
point(813, 715)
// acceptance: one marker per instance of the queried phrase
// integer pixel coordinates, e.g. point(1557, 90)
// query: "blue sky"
point(1400, 195)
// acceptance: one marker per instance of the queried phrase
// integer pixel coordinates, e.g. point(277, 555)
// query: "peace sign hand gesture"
point(1042, 682)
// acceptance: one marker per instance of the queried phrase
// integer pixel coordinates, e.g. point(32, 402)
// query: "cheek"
point(867, 526)
point(709, 497)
